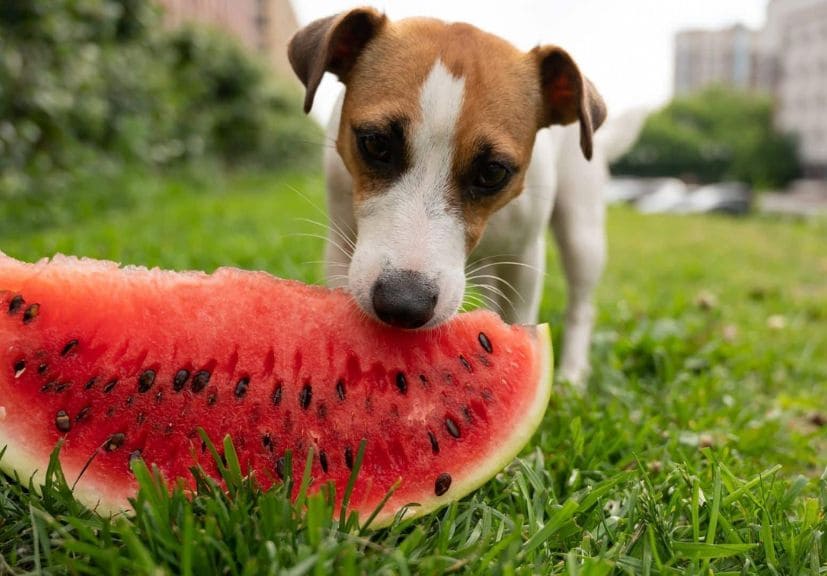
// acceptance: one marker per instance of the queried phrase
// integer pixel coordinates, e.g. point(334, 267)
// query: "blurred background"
point(727, 98)
point(170, 133)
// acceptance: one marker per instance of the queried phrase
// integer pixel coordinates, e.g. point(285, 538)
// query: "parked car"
point(672, 195)
point(724, 197)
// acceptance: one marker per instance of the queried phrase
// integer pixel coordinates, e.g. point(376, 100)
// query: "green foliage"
point(700, 447)
point(713, 136)
point(91, 85)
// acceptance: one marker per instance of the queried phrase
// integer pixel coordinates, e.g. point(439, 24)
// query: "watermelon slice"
point(124, 363)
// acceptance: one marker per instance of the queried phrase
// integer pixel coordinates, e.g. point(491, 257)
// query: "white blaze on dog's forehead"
point(440, 102)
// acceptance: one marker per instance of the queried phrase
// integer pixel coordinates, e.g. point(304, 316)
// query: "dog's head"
point(437, 128)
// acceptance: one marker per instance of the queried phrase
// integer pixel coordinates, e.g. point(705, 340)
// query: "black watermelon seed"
point(485, 343)
point(424, 380)
point(31, 313)
point(203, 447)
point(200, 380)
point(466, 413)
point(70, 345)
point(340, 389)
point(452, 427)
point(443, 482)
point(19, 367)
point(84, 412)
point(401, 383)
point(110, 386)
point(465, 363)
point(323, 461)
point(212, 398)
point(276, 395)
point(483, 360)
point(48, 387)
point(305, 396)
point(110, 412)
point(280, 467)
point(241, 387)
point(62, 421)
point(129, 400)
point(90, 383)
point(42, 368)
point(349, 458)
point(115, 441)
point(61, 386)
point(266, 441)
point(180, 380)
point(434, 443)
point(168, 428)
point(159, 396)
point(16, 304)
point(146, 380)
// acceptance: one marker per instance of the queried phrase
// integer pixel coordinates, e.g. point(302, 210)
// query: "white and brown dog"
point(442, 158)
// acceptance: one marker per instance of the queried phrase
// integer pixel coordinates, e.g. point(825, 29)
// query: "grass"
point(700, 446)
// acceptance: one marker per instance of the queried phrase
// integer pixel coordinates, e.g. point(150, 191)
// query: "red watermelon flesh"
point(120, 363)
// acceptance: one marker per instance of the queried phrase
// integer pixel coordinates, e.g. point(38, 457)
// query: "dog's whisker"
point(496, 279)
point(494, 290)
point(331, 229)
point(329, 263)
point(333, 226)
point(502, 297)
point(507, 263)
point(319, 210)
point(481, 300)
point(324, 239)
point(486, 262)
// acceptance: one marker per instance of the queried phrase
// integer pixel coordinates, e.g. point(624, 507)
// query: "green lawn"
point(700, 446)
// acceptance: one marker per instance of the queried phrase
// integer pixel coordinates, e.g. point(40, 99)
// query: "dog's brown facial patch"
point(500, 114)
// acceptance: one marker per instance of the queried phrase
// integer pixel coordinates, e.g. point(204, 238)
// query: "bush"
point(712, 136)
point(96, 84)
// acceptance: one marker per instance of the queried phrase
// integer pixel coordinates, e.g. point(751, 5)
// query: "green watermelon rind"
point(511, 445)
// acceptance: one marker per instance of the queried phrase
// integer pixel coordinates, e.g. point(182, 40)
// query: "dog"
point(453, 152)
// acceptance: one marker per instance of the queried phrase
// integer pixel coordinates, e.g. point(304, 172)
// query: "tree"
point(715, 135)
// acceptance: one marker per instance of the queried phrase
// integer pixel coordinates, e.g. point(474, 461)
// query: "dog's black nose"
point(404, 298)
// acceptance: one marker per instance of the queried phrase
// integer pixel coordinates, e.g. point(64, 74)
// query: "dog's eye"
point(375, 147)
point(491, 176)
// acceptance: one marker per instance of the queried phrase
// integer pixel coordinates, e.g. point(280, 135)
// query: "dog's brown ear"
point(568, 96)
point(331, 44)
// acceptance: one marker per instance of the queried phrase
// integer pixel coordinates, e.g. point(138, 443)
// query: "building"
point(797, 30)
point(786, 59)
point(730, 56)
point(263, 26)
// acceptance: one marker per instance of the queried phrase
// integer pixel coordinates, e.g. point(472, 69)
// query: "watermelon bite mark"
point(124, 363)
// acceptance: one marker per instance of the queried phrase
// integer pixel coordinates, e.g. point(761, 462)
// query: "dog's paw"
point(577, 377)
